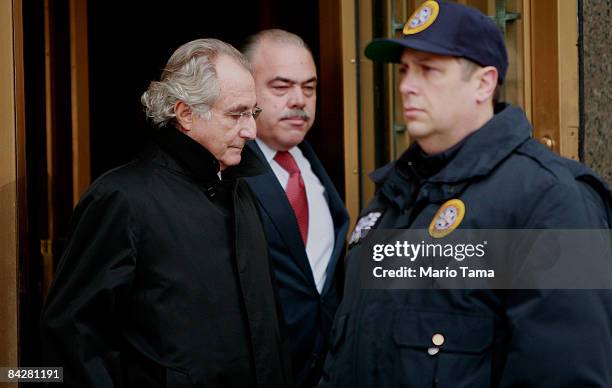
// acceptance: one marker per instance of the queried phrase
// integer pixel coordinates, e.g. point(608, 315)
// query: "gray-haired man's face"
point(225, 133)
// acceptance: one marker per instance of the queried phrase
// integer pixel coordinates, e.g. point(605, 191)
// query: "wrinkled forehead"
point(234, 82)
point(283, 59)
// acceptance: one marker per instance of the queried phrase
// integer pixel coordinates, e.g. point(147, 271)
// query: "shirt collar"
point(270, 153)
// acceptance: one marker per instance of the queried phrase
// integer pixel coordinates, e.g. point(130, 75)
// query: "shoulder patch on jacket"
point(363, 226)
point(447, 218)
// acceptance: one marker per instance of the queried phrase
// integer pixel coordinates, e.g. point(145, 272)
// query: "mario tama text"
point(423, 251)
point(483, 259)
point(431, 272)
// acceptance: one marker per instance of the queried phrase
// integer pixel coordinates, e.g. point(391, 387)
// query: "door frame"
point(12, 184)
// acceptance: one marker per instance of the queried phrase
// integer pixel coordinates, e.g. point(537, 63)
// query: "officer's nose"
point(407, 85)
point(296, 98)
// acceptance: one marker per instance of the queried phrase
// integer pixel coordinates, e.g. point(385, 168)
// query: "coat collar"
point(487, 147)
point(479, 154)
point(198, 162)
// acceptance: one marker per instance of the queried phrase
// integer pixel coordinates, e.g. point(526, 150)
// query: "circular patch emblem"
point(422, 18)
point(447, 218)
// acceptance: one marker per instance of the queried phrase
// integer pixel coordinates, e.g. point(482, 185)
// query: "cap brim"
point(391, 50)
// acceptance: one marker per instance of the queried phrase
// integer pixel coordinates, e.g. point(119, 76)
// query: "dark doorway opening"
point(129, 47)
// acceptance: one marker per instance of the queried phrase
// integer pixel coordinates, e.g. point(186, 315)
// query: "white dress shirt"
point(320, 241)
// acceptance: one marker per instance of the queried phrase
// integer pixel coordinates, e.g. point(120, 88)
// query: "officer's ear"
point(487, 82)
point(184, 116)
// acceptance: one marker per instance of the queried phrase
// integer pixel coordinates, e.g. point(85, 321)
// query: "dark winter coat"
point(166, 280)
point(492, 338)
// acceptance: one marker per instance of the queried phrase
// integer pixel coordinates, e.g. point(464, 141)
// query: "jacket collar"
point(250, 165)
point(198, 162)
point(476, 156)
point(479, 153)
point(487, 147)
point(416, 163)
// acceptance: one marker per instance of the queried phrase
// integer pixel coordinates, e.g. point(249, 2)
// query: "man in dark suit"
point(304, 217)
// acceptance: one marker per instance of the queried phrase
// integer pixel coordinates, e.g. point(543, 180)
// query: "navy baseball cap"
point(447, 28)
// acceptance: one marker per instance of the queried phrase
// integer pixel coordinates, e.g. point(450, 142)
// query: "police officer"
point(472, 165)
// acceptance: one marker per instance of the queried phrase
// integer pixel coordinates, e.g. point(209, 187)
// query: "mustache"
point(294, 113)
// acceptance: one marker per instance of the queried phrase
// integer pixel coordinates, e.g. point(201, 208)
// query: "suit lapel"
point(337, 209)
point(274, 202)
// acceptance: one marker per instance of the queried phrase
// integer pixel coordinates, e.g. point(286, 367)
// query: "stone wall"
point(597, 62)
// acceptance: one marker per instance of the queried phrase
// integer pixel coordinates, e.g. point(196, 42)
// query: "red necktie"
point(296, 191)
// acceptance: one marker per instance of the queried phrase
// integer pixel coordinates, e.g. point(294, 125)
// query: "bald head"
point(275, 36)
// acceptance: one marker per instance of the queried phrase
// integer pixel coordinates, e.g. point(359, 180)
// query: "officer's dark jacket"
point(166, 281)
point(521, 338)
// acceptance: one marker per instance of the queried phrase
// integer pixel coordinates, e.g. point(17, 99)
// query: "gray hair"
point(189, 76)
point(273, 35)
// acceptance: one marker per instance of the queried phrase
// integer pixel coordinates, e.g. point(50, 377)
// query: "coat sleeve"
point(561, 338)
point(81, 319)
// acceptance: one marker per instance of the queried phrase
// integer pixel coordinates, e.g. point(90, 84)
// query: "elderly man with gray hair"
point(166, 279)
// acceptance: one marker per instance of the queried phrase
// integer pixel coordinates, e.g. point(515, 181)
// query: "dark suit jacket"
point(308, 315)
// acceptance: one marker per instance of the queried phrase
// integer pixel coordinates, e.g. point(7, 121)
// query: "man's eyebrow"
point(427, 58)
point(238, 108)
point(291, 81)
point(282, 79)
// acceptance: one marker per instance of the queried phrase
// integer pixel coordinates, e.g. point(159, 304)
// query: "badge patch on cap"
point(363, 226)
point(447, 218)
point(422, 18)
